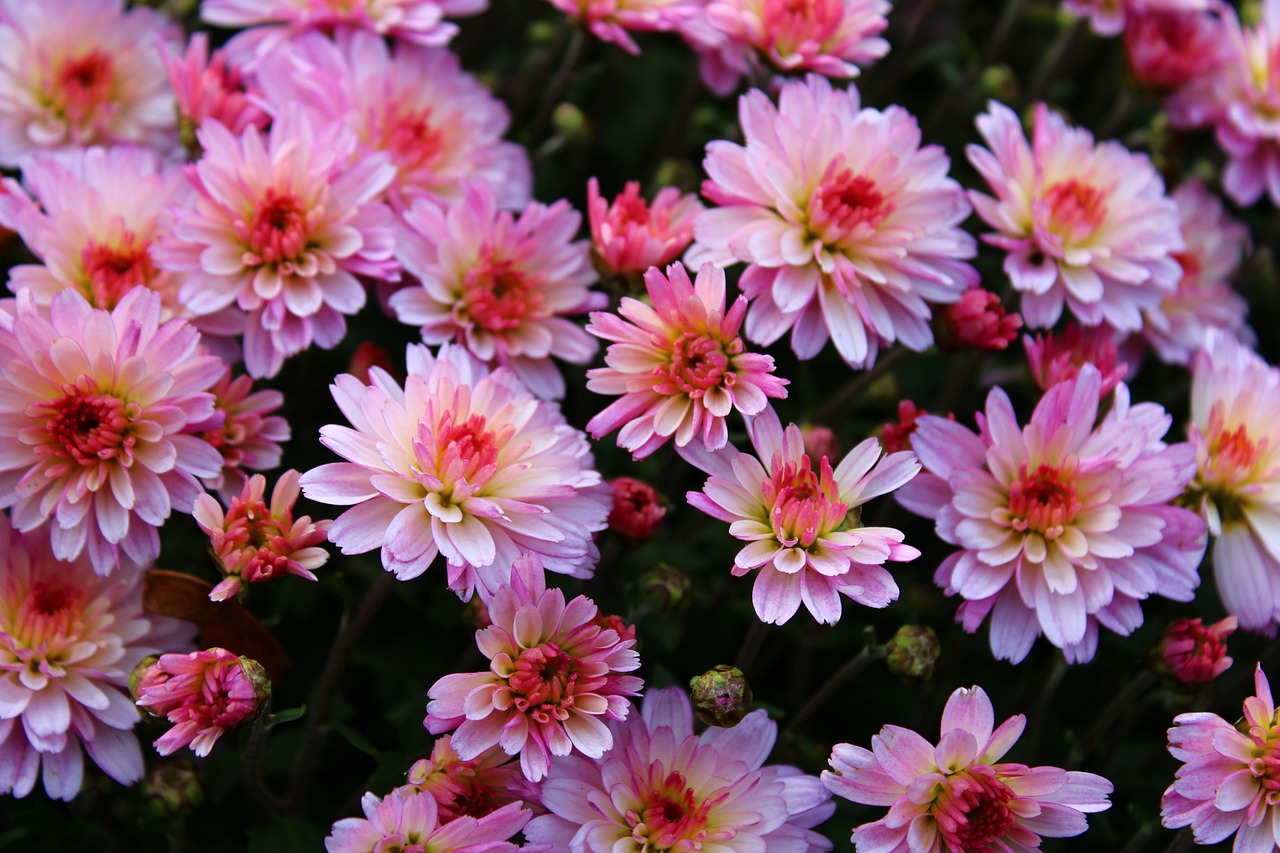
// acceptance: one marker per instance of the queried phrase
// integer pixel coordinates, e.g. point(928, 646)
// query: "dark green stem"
point(842, 676)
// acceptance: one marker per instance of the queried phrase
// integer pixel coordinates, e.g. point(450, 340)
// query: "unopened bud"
point(820, 441)
point(1192, 653)
point(666, 587)
point(172, 788)
point(721, 696)
point(913, 651)
point(139, 672)
point(637, 508)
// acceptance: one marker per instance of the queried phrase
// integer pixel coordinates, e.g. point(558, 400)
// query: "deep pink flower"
point(801, 520)
point(637, 508)
point(678, 364)
point(68, 641)
point(661, 787)
point(419, 21)
point(244, 431)
point(1062, 525)
point(202, 694)
point(614, 20)
point(849, 241)
point(1193, 653)
point(1109, 17)
point(1167, 50)
point(474, 787)
point(896, 436)
point(463, 462)
point(368, 354)
point(410, 821)
point(629, 235)
point(211, 87)
point(979, 321)
point(958, 796)
point(554, 678)
point(1058, 356)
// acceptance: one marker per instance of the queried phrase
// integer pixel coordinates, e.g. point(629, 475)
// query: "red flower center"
point(411, 139)
point(114, 270)
point(1076, 209)
point(499, 297)
point(805, 504)
point(46, 622)
point(85, 426)
point(699, 363)
point(278, 232)
point(846, 207)
point(671, 816)
point(545, 681)
point(82, 84)
point(1044, 501)
point(974, 811)
point(791, 24)
point(630, 208)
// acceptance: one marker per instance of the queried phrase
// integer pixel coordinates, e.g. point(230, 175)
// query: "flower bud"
point(666, 587)
point(977, 321)
point(203, 694)
point(1057, 357)
point(171, 788)
point(367, 355)
point(637, 508)
point(476, 613)
point(721, 696)
point(1191, 653)
point(820, 441)
point(913, 651)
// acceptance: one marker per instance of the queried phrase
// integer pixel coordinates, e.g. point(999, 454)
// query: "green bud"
point(666, 587)
point(913, 651)
point(721, 696)
point(171, 788)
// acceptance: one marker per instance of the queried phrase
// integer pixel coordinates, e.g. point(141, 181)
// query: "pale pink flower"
point(614, 20)
point(850, 241)
point(280, 228)
point(202, 694)
point(1058, 356)
point(94, 406)
point(474, 787)
point(1062, 525)
point(678, 363)
point(1109, 17)
point(81, 72)
point(1192, 653)
point(500, 285)
point(68, 641)
point(804, 526)
point(410, 821)
point(629, 235)
point(554, 678)
point(211, 87)
point(661, 787)
point(1229, 775)
point(419, 21)
point(1235, 429)
point(958, 796)
point(244, 430)
point(1167, 50)
point(460, 461)
point(1085, 225)
point(979, 321)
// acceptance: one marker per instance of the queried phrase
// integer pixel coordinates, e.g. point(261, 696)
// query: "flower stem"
point(253, 753)
point(1181, 842)
point(559, 83)
point(844, 674)
point(751, 644)
point(1124, 701)
point(834, 407)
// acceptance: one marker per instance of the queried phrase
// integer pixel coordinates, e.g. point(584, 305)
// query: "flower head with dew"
point(498, 284)
point(613, 21)
point(802, 520)
point(416, 21)
point(68, 641)
point(678, 364)
point(476, 786)
point(94, 405)
point(555, 677)
point(958, 796)
point(1064, 524)
point(629, 234)
point(203, 694)
point(663, 788)
point(1113, 17)
point(1085, 225)
point(211, 87)
point(850, 241)
point(409, 820)
point(460, 461)
point(244, 430)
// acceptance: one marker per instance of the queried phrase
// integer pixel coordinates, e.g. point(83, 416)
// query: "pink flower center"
point(699, 363)
point(1044, 501)
point(411, 139)
point(278, 232)
point(793, 25)
point(82, 84)
point(671, 816)
point(545, 681)
point(973, 812)
point(85, 426)
point(846, 207)
point(114, 270)
point(499, 297)
point(630, 208)
point(46, 624)
point(256, 544)
point(456, 459)
point(1076, 209)
point(805, 504)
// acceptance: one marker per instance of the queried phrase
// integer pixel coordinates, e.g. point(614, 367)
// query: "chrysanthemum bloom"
point(462, 462)
point(499, 285)
point(1193, 653)
point(661, 787)
point(637, 508)
point(202, 694)
point(68, 640)
point(281, 227)
point(896, 435)
point(440, 126)
point(850, 241)
point(210, 88)
point(1167, 50)
point(1063, 525)
point(1089, 226)
point(554, 678)
point(243, 430)
point(1229, 776)
point(1235, 429)
point(613, 21)
point(94, 405)
point(410, 821)
point(979, 321)
point(958, 796)
point(1204, 298)
point(803, 525)
point(253, 542)
point(629, 235)
point(81, 72)
point(1058, 356)
point(1109, 17)
point(420, 21)
point(678, 363)
point(474, 787)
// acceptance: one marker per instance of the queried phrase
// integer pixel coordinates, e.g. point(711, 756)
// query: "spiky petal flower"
point(408, 820)
point(460, 461)
point(211, 87)
point(678, 364)
point(475, 787)
point(68, 641)
point(850, 241)
point(1086, 225)
point(1063, 525)
point(203, 694)
point(661, 787)
point(804, 525)
point(958, 796)
point(94, 404)
point(419, 21)
point(555, 676)
point(243, 430)
point(629, 235)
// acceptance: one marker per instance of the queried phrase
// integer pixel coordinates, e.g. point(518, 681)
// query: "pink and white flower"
point(1110, 17)
point(211, 87)
point(1058, 356)
point(418, 21)
point(613, 21)
point(499, 285)
point(958, 796)
point(203, 694)
point(244, 430)
point(804, 526)
point(1062, 525)
point(678, 363)
point(1086, 225)
point(629, 235)
point(555, 676)
point(850, 241)
point(460, 461)
point(476, 786)
point(408, 820)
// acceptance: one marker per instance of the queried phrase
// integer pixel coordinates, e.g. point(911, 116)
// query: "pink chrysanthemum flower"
point(613, 21)
point(1235, 429)
point(1085, 225)
point(244, 430)
point(1063, 525)
point(410, 821)
point(1192, 653)
point(661, 787)
point(803, 525)
point(678, 364)
point(638, 509)
point(440, 126)
point(463, 462)
point(1058, 356)
point(499, 285)
point(1230, 774)
point(474, 787)
point(958, 796)
point(202, 694)
point(978, 321)
point(68, 641)
point(281, 227)
point(211, 87)
point(81, 72)
point(554, 678)
point(94, 405)
point(629, 235)
point(850, 241)
point(1109, 17)
point(419, 21)
point(1167, 50)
